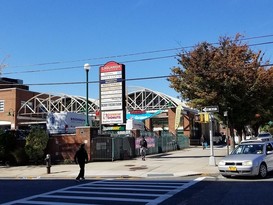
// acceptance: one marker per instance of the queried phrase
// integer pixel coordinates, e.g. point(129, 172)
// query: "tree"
point(228, 75)
point(7, 146)
point(264, 111)
point(36, 143)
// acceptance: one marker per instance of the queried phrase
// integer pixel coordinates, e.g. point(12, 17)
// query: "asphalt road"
point(180, 191)
point(17, 189)
point(220, 190)
point(110, 191)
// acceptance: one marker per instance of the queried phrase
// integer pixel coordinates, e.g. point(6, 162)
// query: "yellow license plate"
point(232, 169)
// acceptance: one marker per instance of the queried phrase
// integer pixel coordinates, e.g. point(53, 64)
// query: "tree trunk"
point(231, 138)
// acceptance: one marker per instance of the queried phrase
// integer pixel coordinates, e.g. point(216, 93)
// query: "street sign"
point(202, 117)
point(211, 109)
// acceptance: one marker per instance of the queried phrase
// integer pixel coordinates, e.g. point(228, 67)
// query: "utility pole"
point(2, 65)
point(210, 110)
point(212, 161)
point(227, 134)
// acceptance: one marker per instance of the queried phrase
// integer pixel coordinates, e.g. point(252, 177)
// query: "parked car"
point(249, 158)
point(265, 136)
point(218, 138)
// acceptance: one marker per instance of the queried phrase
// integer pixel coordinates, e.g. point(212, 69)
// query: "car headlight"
point(247, 163)
point(222, 163)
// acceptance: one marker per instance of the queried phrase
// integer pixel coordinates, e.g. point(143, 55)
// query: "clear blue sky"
point(69, 33)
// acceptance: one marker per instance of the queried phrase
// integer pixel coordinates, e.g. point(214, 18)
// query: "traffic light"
point(202, 117)
point(197, 118)
point(205, 117)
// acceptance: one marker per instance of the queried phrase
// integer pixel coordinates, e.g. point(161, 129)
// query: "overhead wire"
point(134, 54)
point(128, 79)
point(128, 61)
point(98, 65)
point(90, 82)
point(93, 65)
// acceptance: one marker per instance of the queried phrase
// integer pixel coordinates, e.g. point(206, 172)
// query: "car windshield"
point(264, 135)
point(249, 149)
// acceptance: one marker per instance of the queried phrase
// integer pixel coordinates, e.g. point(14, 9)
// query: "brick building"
point(20, 107)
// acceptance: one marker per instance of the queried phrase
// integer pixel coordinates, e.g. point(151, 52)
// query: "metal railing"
point(125, 146)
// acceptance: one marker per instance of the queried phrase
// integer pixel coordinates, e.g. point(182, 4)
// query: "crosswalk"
point(121, 192)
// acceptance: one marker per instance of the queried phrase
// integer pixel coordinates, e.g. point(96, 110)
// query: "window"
point(269, 147)
point(28, 104)
point(2, 103)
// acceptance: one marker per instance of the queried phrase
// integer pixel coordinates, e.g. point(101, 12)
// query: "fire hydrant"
point(48, 163)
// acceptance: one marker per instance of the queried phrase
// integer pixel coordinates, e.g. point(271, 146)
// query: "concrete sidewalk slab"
point(186, 162)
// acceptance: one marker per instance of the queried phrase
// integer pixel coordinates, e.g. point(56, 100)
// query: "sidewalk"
point(186, 162)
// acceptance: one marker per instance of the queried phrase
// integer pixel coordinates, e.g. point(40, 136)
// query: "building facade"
point(20, 107)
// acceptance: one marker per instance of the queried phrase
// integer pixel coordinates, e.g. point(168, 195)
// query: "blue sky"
point(49, 41)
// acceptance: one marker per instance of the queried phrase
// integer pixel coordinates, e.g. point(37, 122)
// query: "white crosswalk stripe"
point(111, 192)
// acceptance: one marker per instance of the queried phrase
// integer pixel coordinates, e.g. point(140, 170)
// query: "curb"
point(149, 176)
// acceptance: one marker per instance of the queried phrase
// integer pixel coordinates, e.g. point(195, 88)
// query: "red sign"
point(112, 93)
point(111, 67)
point(97, 112)
point(137, 112)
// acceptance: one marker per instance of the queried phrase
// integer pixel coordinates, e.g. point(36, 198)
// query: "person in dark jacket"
point(143, 148)
point(203, 142)
point(81, 157)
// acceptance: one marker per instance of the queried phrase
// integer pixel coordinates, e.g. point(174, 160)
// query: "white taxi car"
point(249, 158)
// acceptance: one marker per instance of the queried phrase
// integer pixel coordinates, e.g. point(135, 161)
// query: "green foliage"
point(267, 128)
point(20, 156)
point(68, 161)
point(270, 130)
point(7, 145)
point(228, 75)
point(36, 143)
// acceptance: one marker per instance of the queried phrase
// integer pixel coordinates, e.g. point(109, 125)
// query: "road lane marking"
point(106, 191)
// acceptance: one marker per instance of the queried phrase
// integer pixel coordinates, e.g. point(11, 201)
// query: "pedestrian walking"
point(81, 157)
point(203, 142)
point(143, 148)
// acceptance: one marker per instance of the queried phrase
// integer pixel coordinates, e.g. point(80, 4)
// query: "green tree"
point(228, 75)
point(36, 143)
point(264, 94)
point(7, 146)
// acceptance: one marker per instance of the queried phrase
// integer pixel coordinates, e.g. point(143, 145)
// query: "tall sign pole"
point(212, 161)
point(227, 135)
point(112, 95)
point(211, 109)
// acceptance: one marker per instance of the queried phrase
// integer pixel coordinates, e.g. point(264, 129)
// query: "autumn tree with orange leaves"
point(229, 75)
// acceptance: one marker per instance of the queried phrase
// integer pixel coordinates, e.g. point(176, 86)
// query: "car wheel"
point(263, 170)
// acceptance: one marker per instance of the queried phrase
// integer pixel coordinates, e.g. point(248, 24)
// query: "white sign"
point(65, 122)
point(211, 109)
point(112, 117)
point(112, 96)
point(113, 99)
point(110, 88)
point(112, 93)
point(112, 84)
point(111, 73)
point(111, 105)
point(132, 124)
point(107, 77)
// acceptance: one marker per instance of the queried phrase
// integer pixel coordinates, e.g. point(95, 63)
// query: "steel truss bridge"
point(137, 98)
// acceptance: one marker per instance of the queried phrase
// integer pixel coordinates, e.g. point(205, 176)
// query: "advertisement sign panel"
point(178, 116)
point(112, 117)
point(112, 93)
point(65, 122)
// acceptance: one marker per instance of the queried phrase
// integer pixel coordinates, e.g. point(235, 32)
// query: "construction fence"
point(112, 147)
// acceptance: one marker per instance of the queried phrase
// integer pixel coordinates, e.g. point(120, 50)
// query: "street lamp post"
point(227, 135)
point(11, 112)
point(86, 68)
point(13, 121)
